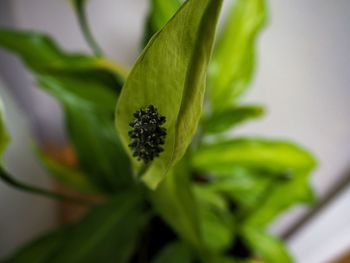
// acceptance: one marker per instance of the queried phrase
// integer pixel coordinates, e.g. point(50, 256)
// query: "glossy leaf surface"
point(171, 74)
point(233, 61)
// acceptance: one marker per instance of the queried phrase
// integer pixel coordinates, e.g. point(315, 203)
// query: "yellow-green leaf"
point(224, 120)
point(233, 61)
point(160, 13)
point(266, 247)
point(268, 155)
point(171, 74)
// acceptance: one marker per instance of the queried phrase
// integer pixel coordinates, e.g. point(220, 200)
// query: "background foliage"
point(208, 197)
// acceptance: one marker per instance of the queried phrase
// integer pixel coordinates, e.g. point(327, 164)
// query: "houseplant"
point(171, 184)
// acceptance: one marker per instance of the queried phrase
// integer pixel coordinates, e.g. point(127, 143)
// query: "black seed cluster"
point(147, 134)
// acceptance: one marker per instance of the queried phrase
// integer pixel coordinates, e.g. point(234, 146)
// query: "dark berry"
point(147, 134)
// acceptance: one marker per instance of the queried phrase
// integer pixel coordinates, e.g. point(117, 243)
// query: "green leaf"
point(263, 154)
point(87, 89)
point(267, 177)
point(89, 121)
point(233, 60)
point(280, 196)
point(4, 137)
point(216, 221)
point(176, 204)
point(69, 176)
point(159, 14)
point(267, 247)
point(174, 253)
point(242, 186)
point(171, 74)
point(109, 233)
point(225, 120)
point(43, 56)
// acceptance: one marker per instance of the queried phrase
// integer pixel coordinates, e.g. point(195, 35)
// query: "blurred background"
point(302, 77)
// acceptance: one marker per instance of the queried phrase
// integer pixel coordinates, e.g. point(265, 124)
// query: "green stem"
point(7, 178)
point(84, 26)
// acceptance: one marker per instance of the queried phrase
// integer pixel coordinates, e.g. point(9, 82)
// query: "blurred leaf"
point(89, 121)
point(174, 253)
point(263, 154)
point(4, 137)
point(175, 202)
point(265, 176)
point(170, 74)
point(233, 60)
point(281, 195)
point(69, 176)
point(87, 88)
point(43, 56)
point(223, 121)
point(241, 185)
point(216, 221)
point(108, 233)
point(160, 13)
point(270, 249)
point(7, 178)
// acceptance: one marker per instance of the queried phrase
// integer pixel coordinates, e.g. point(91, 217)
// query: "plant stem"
point(84, 26)
point(7, 178)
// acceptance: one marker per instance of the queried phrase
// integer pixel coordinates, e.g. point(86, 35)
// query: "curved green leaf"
point(160, 13)
point(87, 89)
point(233, 60)
point(268, 155)
point(267, 247)
point(43, 56)
point(170, 74)
point(224, 120)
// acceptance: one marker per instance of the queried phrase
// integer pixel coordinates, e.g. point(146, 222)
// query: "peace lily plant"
point(154, 146)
